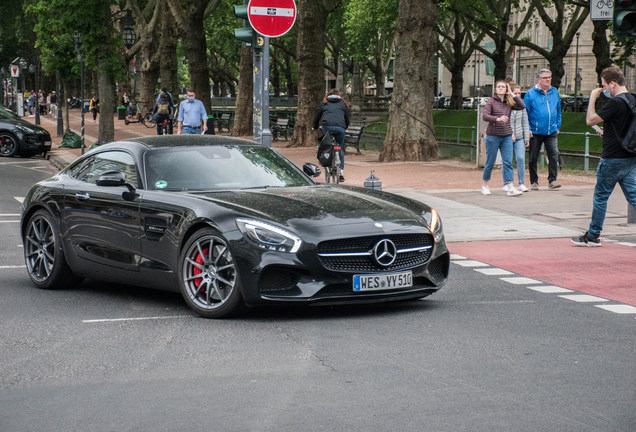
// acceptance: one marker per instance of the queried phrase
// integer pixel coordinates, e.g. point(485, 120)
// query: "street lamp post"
point(60, 121)
point(78, 47)
point(23, 66)
point(576, 77)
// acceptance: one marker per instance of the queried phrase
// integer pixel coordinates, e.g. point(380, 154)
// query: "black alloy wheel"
point(8, 145)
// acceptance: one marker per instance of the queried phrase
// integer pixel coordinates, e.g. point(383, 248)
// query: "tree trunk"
point(244, 115)
point(601, 48)
point(196, 48)
point(106, 102)
point(457, 86)
point(168, 49)
point(411, 136)
point(312, 22)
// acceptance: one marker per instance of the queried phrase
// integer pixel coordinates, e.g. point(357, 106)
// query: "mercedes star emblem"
point(385, 252)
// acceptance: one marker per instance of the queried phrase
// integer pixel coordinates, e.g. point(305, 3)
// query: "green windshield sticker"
point(161, 184)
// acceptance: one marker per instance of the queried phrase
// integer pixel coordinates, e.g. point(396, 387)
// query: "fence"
point(466, 137)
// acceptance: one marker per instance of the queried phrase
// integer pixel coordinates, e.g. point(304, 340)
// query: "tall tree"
point(190, 24)
point(411, 135)
point(312, 21)
point(244, 118)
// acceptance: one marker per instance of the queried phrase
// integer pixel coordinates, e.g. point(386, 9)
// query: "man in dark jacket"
point(335, 119)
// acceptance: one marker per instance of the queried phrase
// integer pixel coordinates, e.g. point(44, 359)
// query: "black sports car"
point(229, 224)
point(19, 137)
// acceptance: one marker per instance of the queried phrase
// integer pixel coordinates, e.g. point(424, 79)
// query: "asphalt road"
point(483, 354)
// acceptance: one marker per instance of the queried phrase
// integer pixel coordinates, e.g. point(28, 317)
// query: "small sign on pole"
point(601, 10)
point(272, 18)
point(15, 71)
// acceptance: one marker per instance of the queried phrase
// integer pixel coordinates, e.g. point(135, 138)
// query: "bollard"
point(586, 160)
point(372, 182)
point(631, 214)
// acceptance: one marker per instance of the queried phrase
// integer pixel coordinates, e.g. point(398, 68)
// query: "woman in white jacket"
point(520, 138)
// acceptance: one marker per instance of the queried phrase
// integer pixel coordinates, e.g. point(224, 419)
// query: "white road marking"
point(17, 214)
point(619, 309)
point(627, 244)
point(12, 267)
point(549, 289)
point(454, 257)
point(136, 319)
point(20, 199)
point(520, 280)
point(471, 263)
point(582, 298)
point(10, 221)
point(493, 271)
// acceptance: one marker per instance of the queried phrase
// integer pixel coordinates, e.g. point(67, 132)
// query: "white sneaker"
point(505, 188)
point(485, 190)
point(523, 188)
point(514, 192)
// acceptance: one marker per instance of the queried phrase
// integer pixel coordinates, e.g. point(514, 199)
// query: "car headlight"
point(434, 222)
point(269, 237)
point(25, 129)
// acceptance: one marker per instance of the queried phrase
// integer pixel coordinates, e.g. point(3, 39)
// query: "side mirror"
point(111, 178)
point(311, 170)
point(117, 178)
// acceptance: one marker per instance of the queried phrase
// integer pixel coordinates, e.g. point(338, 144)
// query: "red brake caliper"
point(197, 270)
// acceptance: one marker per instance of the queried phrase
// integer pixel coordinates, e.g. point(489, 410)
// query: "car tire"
point(43, 254)
point(8, 145)
point(216, 293)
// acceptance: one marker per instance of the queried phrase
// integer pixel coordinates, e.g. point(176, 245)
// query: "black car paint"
point(29, 144)
point(138, 242)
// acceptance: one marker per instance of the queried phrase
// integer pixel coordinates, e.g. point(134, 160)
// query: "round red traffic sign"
point(272, 18)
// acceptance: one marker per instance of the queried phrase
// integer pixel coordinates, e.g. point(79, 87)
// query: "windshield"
point(220, 168)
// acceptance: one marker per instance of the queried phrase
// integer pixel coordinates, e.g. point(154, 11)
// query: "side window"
point(80, 169)
point(112, 160)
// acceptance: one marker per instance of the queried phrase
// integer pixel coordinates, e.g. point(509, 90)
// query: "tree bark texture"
point(244, 114)
point(106, 103)
point(168, 63)
point(601, 48)
point(411, 136)
point(312, 22)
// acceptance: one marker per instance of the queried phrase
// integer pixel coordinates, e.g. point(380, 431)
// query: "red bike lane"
point(608, 271)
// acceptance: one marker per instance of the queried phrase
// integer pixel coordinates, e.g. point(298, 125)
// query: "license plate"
point(47, 143)
point(376, 282)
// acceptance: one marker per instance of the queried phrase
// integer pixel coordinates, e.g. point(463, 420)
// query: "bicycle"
point(146, 120)
point(332, 172)
point(164, 127)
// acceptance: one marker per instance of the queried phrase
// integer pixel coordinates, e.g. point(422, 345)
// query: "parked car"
point(19, 137)
point(471, 103)
point(229, 224)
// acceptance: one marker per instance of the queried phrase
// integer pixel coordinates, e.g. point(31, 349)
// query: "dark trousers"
point(552, 150)
point(160, 119)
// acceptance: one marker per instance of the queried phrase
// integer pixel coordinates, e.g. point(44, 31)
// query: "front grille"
point(439, 267)
point(38, 139)
point(366, 244)
point(278, 279)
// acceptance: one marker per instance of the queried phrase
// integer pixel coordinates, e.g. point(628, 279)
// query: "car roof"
point(162, 141)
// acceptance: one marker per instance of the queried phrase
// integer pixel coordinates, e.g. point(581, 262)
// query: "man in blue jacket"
point(543, 105)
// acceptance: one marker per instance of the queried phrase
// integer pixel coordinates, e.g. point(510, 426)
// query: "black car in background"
point(229, 224)
point(19, 137)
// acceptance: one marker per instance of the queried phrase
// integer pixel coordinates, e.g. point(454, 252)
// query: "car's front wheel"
point(208, 277)
point(8, 145)
point(43, 254)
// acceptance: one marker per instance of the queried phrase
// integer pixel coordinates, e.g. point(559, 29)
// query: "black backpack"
point(629, 141)
point(325, 150)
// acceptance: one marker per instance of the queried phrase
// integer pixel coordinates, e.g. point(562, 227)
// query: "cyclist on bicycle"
point(162, 112)
point(334, 111)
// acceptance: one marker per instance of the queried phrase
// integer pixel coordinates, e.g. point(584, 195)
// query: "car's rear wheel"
point(8, 145)
point(43, 254)
point(208, 277)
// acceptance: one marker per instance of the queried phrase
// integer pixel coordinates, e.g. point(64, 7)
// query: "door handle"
point(82, 196)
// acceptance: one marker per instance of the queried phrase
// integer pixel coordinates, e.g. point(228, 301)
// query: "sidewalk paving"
point(451, 186)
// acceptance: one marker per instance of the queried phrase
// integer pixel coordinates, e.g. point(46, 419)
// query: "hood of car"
point(321, 206)
point(12, 122)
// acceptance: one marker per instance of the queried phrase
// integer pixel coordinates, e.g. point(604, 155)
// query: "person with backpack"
point(618, 160)
point(334, 111)
point(93, 107)
point(163, 111)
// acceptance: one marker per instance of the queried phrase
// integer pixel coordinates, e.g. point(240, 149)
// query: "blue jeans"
point(503, 144)
point(551, 148)
point(187, 130)
point(608, 173)
point(520, 155)
point(340, 136)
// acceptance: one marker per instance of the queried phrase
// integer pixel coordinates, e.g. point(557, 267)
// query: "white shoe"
point(485, 190)
point(514, 192)
point(505, 188)
point(523, 188)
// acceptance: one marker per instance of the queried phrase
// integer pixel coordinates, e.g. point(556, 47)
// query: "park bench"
point(352, 137)
point(224, 120)
point(280, 128)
